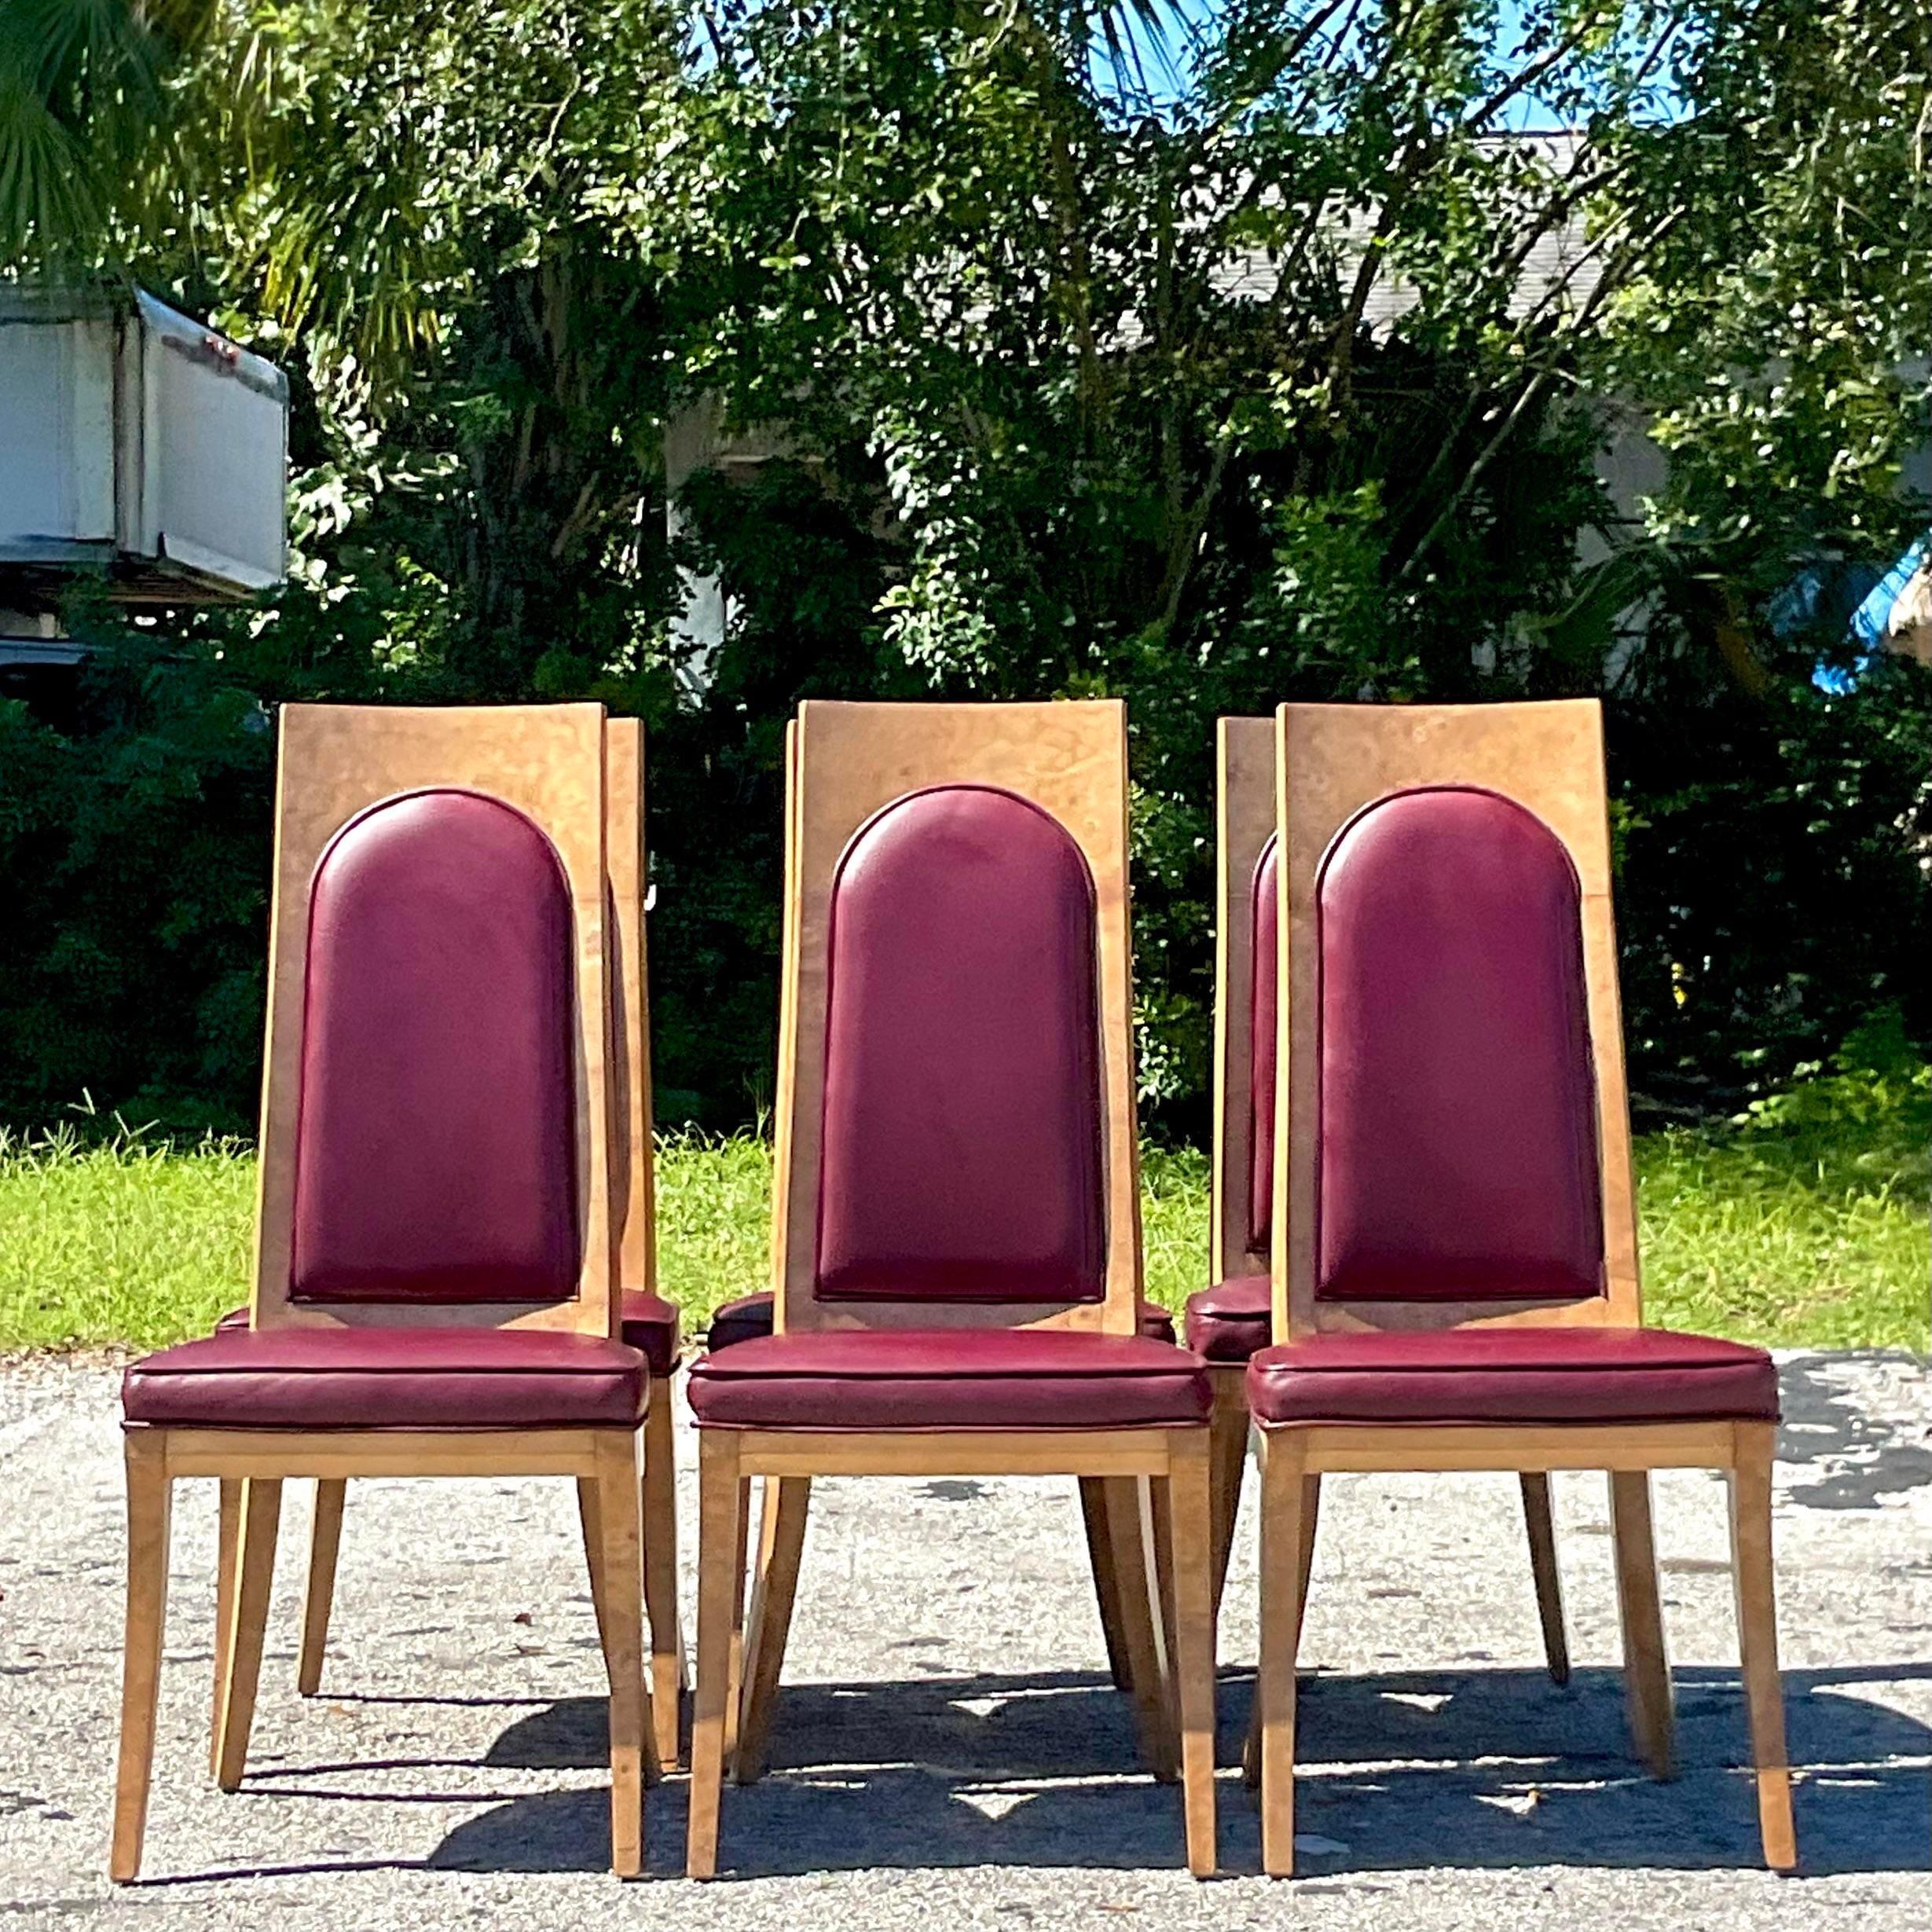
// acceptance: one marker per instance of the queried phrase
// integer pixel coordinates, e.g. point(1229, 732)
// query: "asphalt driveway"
point(950, 1754)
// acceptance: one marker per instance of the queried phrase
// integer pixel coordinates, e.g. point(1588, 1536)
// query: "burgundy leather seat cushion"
point(650, 1326)
point(948, 1379)
point(963, 1123)
point(1230, 1321)
point(1457, 1125)
point(749, 1317)
point(436, 1127)
point(1512, 1375)
point(388, 1378)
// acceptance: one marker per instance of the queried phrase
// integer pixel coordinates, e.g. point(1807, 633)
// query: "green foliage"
point(1809, 1229)
point(1806, 1221)
point(1237, 361)
point(1773, 879)
point(123, 1241)
point(136, 861)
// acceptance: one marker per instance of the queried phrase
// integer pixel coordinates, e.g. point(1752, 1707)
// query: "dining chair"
point(646, 1321)
point(957, 1218)
point(782, 1508)
point(1456, 1287)
point(1229, 1323)
point(434, 1281)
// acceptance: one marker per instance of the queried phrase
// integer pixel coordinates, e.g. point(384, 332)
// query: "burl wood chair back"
point(1241, 1207)
point(1455, 1278)
point(633, 1201)
point(1453, 1113)
point(436, 1131)
point(956, 1129)
point(1242, 1199)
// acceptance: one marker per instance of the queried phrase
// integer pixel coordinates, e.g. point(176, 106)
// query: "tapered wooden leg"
point(1646, 1663)
point(767, 1527)
point(754, 1611)
point(1129, 1532)
point(1106, 1584)
point(781, 1545)
point(324, 1541)
point(621, 1550)
point(1283, 1538)
point(1190, 1565)
point(254, 1577)
point(1541, 1524)
point(720, 1587)
point(667, 1632)
point(1160, 1528)
point(148, 1495)
point(1304, 1551)
point(1304, 1569)
point(227, 1547)
point(1228, 1448)
point(590, 1514)
point(1758, 1638)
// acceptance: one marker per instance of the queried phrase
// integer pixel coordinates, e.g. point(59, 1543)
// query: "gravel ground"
point(951, 1756)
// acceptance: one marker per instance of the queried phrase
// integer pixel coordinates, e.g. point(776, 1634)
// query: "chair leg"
point(254, 1577)
point(768, 1526)
point(1304, 1568)
point(1646, 1662)
point(1304, 1551)
point(1284, 1538)
point(228, 1545)
point(1541, 1524)
point(720, 1590)
point(667, 1632)
point(1758, 1637)
point(1190, 1565)
point(324, 1541)
point(149, 1493)
point(590, 1514)
point(1160, 1531)
point(782, 1542)
point(621, 1559)
point(1129, 1512)
point(1227, 1426)
point(1106, 1584)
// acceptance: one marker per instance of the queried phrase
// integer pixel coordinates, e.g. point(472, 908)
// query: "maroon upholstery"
point(650, 1327)
point(962, 1156)
point(1230, 1321)
point(749, 1317)
point(1512, 1375)
point(1264, 903)
point(949, 1379)
point(1457, 1138)
point(380, 1378)
point(436, 1128)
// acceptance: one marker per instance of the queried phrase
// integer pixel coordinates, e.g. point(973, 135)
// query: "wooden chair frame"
point(848, 762)
point(1245, 800)
point(548, 762)
point(634, 1202)
point(1332, 762)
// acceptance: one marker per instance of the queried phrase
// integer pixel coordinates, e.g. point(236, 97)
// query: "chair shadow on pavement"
point(1462, 1768)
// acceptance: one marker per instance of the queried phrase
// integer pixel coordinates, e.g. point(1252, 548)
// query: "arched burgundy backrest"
point(1264, 905)
point(1458, 1154)
point(961, 1154)
point(435, 1157)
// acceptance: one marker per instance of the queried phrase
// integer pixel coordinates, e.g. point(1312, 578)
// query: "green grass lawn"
point(1812, 1231)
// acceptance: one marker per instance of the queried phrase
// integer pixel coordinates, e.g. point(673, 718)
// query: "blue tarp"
point(1869, 619)
point(1866, 627)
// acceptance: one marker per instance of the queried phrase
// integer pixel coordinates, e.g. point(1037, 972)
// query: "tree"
point(1202, 361)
